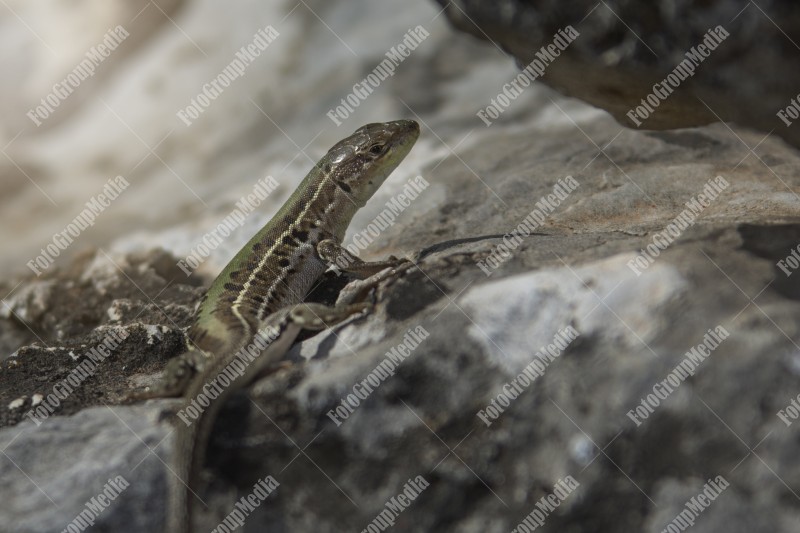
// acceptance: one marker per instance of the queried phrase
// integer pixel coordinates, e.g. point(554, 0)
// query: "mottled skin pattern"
point(274, 271)
point(281, 264)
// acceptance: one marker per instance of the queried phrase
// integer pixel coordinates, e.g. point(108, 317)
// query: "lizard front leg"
point(335, 255)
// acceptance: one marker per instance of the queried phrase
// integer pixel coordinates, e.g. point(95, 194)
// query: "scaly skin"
point(272, 273)
point(280, 264)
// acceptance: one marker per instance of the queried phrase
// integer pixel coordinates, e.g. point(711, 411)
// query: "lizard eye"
point(376, 149)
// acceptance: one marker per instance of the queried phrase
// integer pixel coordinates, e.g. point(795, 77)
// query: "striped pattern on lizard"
point(262, 286)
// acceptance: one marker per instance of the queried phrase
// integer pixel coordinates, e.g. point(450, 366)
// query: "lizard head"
point(360, 163)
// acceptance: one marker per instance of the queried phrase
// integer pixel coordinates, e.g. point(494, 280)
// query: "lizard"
point(256, 299)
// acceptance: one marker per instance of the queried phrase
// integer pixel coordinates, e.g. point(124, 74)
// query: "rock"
point(101, 451)
point(623, 49)
point(601, 336)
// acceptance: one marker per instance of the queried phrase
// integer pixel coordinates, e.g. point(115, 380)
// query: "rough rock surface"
point(625, 48)
point(569, 423)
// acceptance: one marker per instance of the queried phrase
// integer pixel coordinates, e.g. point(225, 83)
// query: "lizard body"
point(280, 264)
point(258, 291)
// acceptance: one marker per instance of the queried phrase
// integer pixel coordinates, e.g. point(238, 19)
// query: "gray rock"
point(576, 432)
point(54, 472)
point(625, 48)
